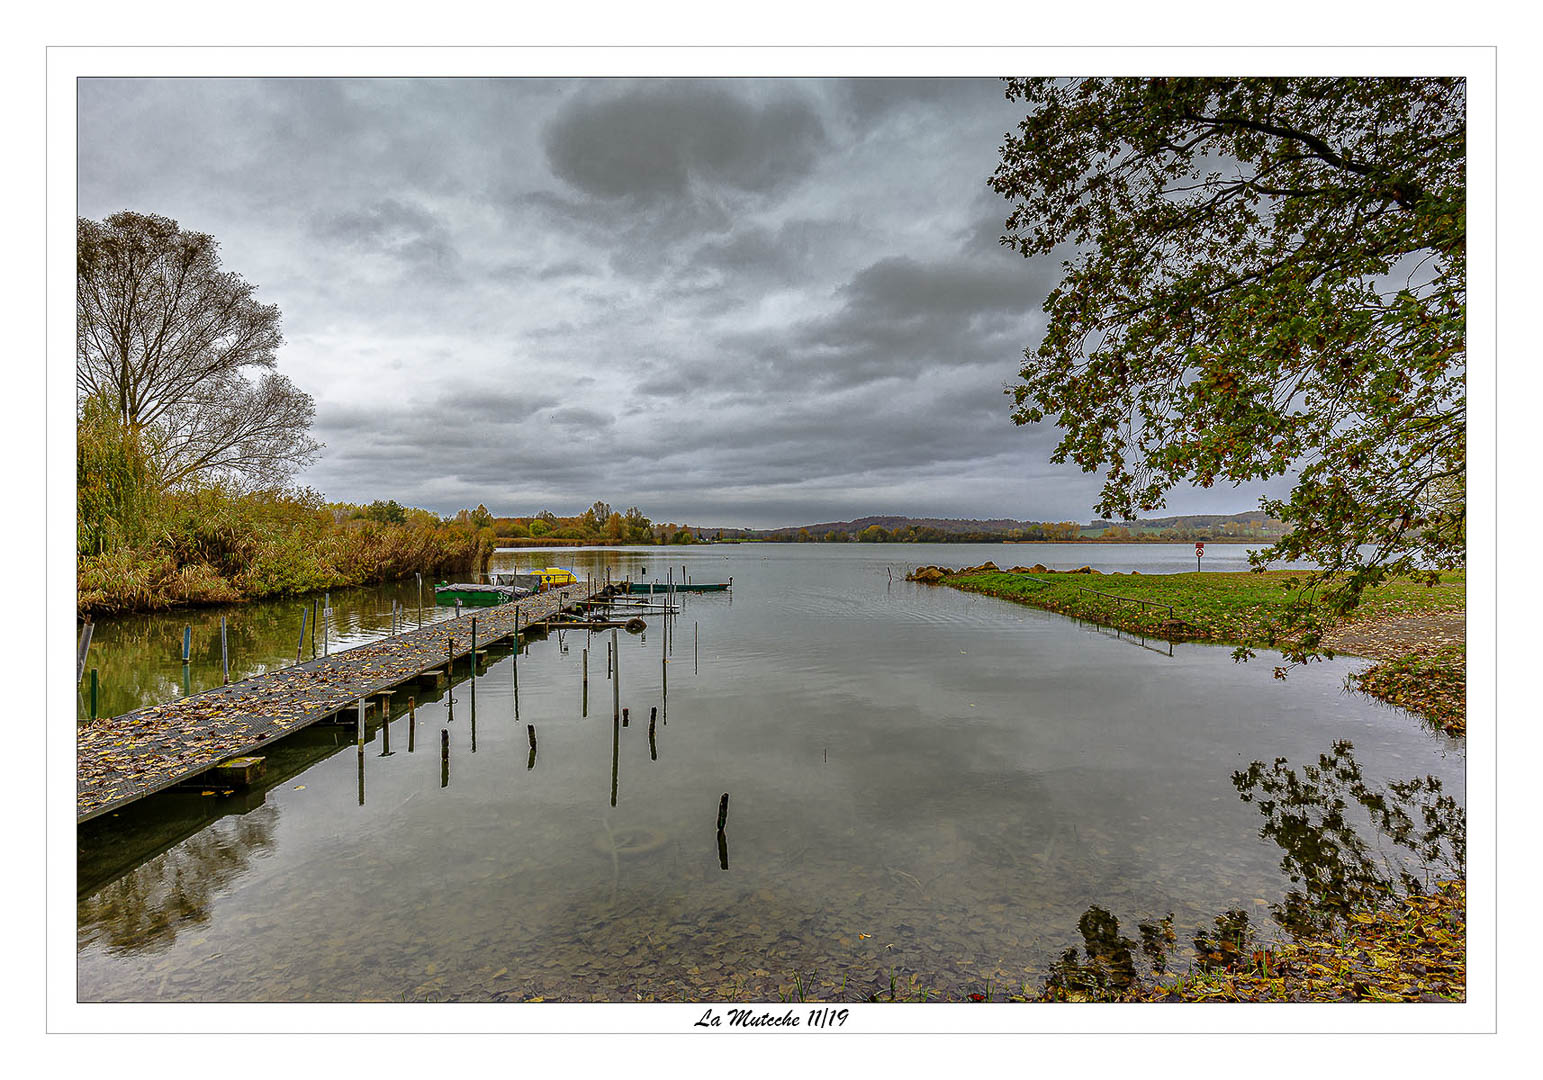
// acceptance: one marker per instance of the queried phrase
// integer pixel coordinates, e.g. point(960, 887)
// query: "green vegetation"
point(1268, 278)
point(1418, 669)
point(1241, 608)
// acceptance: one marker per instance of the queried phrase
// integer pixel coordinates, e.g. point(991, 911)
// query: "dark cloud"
point(656, 141)
point(416, 239)
point(874, 98)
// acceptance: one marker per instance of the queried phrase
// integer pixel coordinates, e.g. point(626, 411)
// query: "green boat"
point(655, 588)
point(468, 595)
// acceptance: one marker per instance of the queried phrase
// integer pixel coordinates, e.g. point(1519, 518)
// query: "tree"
point(639, 529)
point(114, 493)
point(596, 517)
point(389, 512)
point(1266, 277)
point(174, 342)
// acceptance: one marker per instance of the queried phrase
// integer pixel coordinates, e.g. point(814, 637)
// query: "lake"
point(926, 786)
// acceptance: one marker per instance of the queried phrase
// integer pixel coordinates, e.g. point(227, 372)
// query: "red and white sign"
point(1199, 548)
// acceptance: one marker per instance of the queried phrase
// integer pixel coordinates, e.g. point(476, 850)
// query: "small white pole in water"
point(224, 652)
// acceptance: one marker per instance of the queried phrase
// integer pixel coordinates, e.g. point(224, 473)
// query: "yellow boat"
point(553, 577)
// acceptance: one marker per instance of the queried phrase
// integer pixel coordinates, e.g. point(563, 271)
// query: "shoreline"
point(1411, 633)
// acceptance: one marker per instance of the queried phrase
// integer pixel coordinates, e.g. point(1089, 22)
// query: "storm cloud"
point(730, 302)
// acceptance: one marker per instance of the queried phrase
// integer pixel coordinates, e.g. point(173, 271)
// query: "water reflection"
point(146, 908)
point(1333, 868)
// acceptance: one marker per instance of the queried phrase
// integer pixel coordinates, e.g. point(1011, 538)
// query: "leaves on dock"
point(121, 758)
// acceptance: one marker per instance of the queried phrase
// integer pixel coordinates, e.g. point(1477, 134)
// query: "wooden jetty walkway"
point(124, 758)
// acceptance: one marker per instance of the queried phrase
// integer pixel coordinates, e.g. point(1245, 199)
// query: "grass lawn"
point(1413, 631)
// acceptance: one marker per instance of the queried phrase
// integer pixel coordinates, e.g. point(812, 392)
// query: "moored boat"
point(472, 595)
point(535, 581)
point(656, 587)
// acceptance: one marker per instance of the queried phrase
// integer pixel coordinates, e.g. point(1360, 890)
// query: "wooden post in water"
point(412, 722)
point(530, 762)
point(450, 661)
point(616, 680)
point(313, 628)
point(694, 667)
point(326, 622)
point(585, 711)
point(300, 645)
point(187, 644)
point(419, 576)
point(93, 693)
point(85, 647)
point(444, 757)
point(224, 652)
point(359, 728)
point(474, 646)
point(723, 811)
point(653, 747)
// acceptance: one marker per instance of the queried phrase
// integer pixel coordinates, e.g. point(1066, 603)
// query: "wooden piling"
point(93, 693)
point(616, 680)
point(224, 652)
point(585, 704)
point(444, 758)
point(313, 628)
point(625, 719)
point(412, 722)
point(84, 648)
point(359, 727)
point(300, 645)
point(723, 811)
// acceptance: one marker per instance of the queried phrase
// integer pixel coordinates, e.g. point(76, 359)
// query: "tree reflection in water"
point(144, 909)
point(1331, 866)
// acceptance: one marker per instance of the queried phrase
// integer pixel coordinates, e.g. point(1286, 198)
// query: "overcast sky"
point(735, 302)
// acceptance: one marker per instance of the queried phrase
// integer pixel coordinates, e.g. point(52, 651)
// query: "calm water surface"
point(924, 784)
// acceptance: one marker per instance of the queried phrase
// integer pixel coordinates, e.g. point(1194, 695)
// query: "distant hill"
point(1251, 524)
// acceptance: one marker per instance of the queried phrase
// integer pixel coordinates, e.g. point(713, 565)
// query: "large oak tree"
point(1262, 277)
point(184, 354)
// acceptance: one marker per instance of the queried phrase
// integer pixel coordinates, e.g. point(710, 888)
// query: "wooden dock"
point(124, 758)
